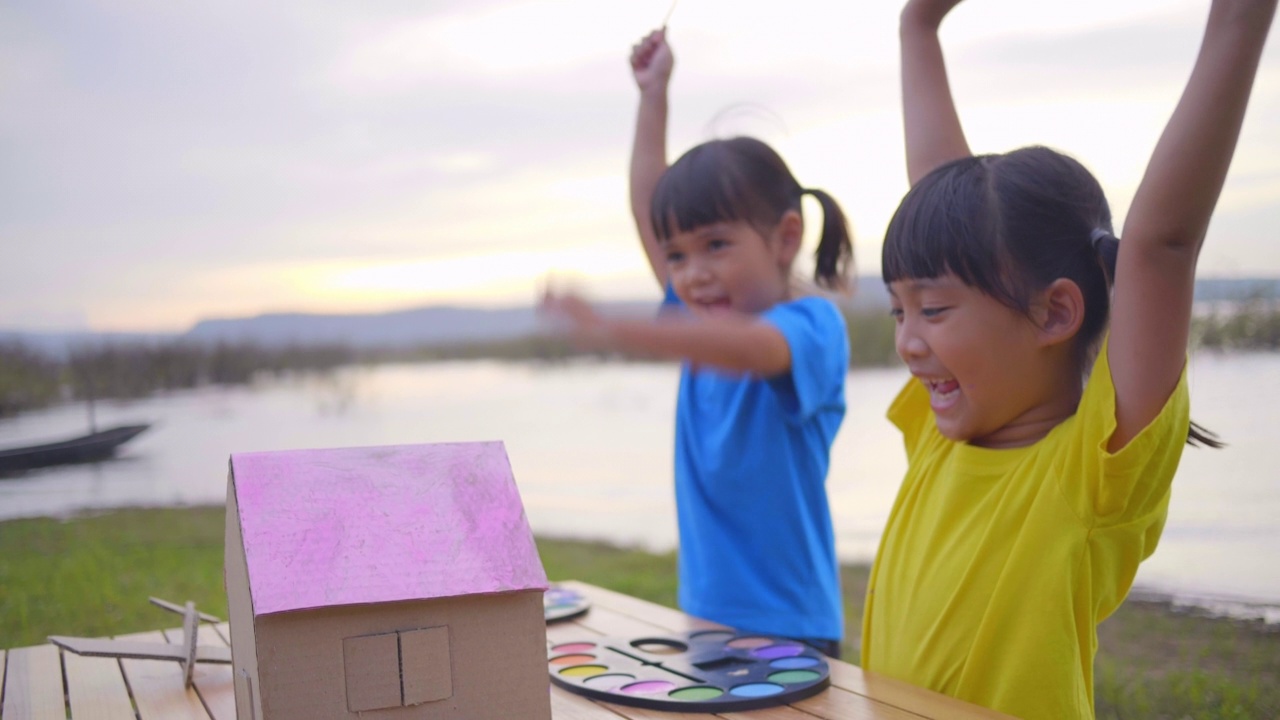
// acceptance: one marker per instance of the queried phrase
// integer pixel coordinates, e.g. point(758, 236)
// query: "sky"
point(163, 162)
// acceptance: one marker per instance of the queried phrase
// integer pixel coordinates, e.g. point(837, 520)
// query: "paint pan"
point(562, 603)
point(708, 671)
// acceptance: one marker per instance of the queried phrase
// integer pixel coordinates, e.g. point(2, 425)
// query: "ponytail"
point(1107, 247)
point(834, 256)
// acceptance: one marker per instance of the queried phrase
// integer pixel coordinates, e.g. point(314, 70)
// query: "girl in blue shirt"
point(762, 386)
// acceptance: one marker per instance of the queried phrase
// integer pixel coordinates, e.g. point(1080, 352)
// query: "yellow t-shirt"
point(997, 565)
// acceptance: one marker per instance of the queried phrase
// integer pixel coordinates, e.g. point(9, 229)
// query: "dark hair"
point(1008, 225)
point(743, 179)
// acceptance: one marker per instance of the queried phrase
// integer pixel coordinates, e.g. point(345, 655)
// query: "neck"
point(1058, 399)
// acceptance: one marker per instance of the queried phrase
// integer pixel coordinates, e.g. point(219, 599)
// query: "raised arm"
point(933, 131)
point(1167, 222)
point(738, 344)
point(651, 63)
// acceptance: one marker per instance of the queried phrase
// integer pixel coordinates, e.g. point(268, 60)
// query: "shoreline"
point(1239, 609)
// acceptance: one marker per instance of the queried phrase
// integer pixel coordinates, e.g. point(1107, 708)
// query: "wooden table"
point(37, 688)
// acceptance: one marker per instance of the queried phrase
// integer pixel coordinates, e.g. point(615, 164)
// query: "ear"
point(787, 236)
point(1059, 312)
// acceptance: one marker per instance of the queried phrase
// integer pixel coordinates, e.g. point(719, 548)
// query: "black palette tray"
point(704, 671)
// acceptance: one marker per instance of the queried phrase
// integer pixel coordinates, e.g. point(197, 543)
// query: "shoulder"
point(810, 311)
point(1133, 481)
point(911, 414)
point(1096, 414)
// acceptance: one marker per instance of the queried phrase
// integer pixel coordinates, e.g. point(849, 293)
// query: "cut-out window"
point(397, 669)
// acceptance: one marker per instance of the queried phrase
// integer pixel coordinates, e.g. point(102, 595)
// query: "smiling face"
point(729, 267)
point(995, 378)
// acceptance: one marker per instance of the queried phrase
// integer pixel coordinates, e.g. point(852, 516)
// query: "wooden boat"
point(87, 448)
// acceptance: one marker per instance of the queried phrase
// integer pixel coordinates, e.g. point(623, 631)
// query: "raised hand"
point(932, 127)
point(652, 61)
point(573, 317)
point(928, 12)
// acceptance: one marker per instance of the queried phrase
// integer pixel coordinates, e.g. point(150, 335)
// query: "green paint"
point(697, 693)
point(790, 677)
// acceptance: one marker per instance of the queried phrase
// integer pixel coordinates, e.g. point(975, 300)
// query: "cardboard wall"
point(496, 647)
point(244, 660)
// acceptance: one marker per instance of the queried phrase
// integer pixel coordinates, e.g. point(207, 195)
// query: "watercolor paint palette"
point(704, 671)
point(561, 603)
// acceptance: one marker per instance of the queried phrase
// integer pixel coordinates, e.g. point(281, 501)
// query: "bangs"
point(948, 225)
point(706, 185)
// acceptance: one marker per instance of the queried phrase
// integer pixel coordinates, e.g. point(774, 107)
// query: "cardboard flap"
point(425, 665)
point(372, 665)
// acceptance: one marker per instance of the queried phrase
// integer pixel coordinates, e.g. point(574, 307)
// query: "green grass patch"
point(91, 576)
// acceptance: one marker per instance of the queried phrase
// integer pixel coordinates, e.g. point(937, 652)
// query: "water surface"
point(591, 447)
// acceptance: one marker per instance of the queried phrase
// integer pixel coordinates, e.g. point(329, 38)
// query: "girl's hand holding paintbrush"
point(652, 62)
point(572, 316)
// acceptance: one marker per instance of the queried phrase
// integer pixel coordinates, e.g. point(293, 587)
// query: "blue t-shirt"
point(757, 550)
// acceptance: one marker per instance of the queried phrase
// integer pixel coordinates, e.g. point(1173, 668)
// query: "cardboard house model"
point(385, 583)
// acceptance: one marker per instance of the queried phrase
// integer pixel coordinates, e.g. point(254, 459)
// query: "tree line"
point(122, 370)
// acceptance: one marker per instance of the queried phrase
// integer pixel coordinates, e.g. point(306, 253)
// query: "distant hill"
point(440, 325)
point(420, 326)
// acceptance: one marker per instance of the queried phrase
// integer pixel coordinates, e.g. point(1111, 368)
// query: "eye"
point(896, 313)
point(933, 312)
point(717, 244)
point(674, 257)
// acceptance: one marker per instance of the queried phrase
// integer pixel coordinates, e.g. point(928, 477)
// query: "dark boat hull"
point(88, 448)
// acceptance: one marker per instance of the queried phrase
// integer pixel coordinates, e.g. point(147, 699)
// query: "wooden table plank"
point(838, 702)
point(656, 614)
point(909, 697)
point(157, 687)
point(96, 688)
point(33, 684)
point(213, 681)
point(568, 706)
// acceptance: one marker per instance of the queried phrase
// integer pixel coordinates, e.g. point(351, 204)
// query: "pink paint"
point(382, 524)
point(574, 647)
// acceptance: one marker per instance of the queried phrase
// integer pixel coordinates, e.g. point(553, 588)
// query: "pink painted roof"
point(382, 524)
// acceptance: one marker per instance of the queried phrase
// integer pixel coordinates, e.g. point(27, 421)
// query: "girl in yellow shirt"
point(1049, 407)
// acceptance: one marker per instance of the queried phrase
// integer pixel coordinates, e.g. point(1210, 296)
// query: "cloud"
point(152, 152)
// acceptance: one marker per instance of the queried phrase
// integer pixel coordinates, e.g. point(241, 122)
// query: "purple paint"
point(781, 650)
point(382, 524)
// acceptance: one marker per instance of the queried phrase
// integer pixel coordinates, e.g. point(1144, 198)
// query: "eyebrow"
point(922, 283)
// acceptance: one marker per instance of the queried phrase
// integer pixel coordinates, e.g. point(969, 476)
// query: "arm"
point(932, 127)
point(1167, 222)
point(651, 63)
point(732, 343)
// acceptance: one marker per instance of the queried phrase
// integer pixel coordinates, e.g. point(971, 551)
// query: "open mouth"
point(943, 392)
point(718, 305)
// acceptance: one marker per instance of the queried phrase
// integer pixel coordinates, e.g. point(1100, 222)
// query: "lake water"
point(591, 447)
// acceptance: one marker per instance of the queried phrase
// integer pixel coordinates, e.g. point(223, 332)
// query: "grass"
point(91, 576)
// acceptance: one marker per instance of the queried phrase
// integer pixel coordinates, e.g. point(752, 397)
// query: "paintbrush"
point(669, 11)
